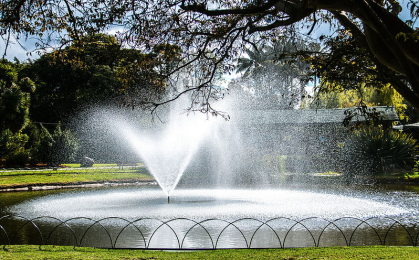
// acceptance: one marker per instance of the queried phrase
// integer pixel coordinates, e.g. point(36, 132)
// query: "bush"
point(56, 148)
point(19, 158)
point(65, 147)
point(12, 148)
point(373, 150)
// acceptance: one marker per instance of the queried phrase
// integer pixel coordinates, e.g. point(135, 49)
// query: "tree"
point(274, 76)
point(94, 69)
point(14, 97)
point(370, 96)
point(219, 31)
point(15, 101)
point(12, 148)
point(55, 148)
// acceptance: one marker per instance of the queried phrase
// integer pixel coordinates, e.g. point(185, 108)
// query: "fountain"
point(168, 152)
point(211, 169)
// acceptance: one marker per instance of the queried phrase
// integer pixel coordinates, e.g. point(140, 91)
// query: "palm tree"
point(255, 59)
point(274, 71)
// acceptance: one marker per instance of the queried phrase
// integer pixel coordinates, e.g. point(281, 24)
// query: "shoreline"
point(94, 184)
point(71, 185)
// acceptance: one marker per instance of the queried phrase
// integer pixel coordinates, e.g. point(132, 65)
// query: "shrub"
point(65, 147)
point(373, 150)
point(18, 158)
point(12, 148)
point(59, 147)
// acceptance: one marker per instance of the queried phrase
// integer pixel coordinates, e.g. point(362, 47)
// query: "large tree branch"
point(379, 26)
point(380, 50)
point(253, 9)
point(292, 19)
point(383, 55)
point(73, 20)
point(349, 25)
point(405, 91)
point(389, 25)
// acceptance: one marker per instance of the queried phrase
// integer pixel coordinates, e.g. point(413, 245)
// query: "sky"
point(15, 50)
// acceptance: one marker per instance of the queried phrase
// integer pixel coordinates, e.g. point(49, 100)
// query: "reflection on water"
point(207, 234)
point(134, 217)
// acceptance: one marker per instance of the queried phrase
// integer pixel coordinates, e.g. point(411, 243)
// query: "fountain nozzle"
point(168, 199)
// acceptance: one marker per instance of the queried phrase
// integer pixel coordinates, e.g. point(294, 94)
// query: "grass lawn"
point(59, 252)
point(72, 174)
point(96, 165)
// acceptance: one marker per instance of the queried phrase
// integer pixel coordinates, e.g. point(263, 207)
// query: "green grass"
point(413, 176)
point(59, 252)
point(329, 173)
point(71, 168)
point(96, 165)
point(102, 173)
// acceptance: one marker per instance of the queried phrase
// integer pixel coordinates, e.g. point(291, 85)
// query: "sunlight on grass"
point(73, 175)
point(96, 165)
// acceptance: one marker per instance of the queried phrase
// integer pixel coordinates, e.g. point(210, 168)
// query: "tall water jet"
point(168, 149)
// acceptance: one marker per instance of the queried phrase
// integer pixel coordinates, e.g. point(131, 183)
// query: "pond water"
point(293, 215)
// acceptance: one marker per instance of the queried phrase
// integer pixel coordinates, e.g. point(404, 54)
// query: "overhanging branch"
point(254, 9)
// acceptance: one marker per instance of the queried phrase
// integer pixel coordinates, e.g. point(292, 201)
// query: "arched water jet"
point(166, 150)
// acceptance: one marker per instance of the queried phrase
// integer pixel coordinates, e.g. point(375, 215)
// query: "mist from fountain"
point(243, 152)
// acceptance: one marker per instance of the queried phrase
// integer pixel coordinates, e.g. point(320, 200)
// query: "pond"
point(293, 215)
